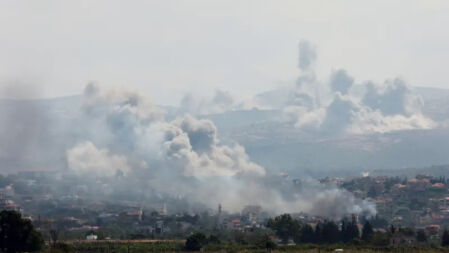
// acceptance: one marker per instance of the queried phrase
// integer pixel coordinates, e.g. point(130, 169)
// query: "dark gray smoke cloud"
point(341, 82)
point(394, 98)
point(305, 93)
point(307, 55)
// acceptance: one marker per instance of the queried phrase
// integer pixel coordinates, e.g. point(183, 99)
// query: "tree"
point(54, 236)
point(445, 239)
point(213, 239)
point(392, 229)
point(285, 226)
point(267, 243)
point(372, 192)
point(367, 231)
point(349, 230)
point(17, 234)
point(421, 236)
point(379, 222)
point(196, 241)
point(307, 234)
point(330, 232)
point(380, 239)
point(318, 233)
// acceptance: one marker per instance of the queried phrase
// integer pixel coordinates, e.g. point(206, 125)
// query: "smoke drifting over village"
point(185, 157)
point(192, 153)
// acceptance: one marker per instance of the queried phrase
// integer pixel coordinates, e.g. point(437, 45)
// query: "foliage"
point(380, 239)
point(196, 241)
point(330, 233)
point(349, 230)
point(18, 234)
point(378, 222)
point(285, 226)
point(445, 238)
point(407, 231)
point(421, 236)
point(213, 239)
point(307, 234)
point(62, 247)
point(267, 243)
point(367, 231)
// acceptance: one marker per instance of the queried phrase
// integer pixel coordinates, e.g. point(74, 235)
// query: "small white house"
point(91, 237)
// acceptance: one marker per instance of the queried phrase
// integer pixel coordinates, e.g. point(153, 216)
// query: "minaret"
point(219, 218)
point(164, 210)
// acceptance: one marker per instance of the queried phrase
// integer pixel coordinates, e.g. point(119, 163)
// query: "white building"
point(91, 237)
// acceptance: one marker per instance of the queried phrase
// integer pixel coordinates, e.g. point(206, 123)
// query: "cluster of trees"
point(18, 234)
point(329, 232)
point(197, 241)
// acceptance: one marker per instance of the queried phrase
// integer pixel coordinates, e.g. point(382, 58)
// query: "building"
point(91, 237)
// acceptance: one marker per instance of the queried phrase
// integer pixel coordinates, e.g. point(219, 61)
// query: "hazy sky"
point(167, 48)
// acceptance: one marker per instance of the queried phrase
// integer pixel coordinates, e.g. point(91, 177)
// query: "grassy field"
point(143, 246)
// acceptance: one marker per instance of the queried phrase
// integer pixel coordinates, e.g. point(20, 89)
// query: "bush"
point(267, 243)
point(213, 239)
point(17, 234)
point(62, 247)
point(195, 242)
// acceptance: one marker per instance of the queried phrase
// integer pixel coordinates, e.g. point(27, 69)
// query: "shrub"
point(195, 242)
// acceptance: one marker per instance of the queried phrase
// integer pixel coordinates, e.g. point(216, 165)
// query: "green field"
point(178, 246)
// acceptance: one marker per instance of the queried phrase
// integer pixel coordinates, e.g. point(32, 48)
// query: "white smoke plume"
point(185, 157)
point(331, 108)
point(86, 158)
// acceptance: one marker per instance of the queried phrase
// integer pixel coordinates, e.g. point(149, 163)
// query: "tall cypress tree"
point(344, 233)
point(445, 239)
point(330, 232)
point(367, 231)
point(349, 230)
point(355, 233)
point(318, 233)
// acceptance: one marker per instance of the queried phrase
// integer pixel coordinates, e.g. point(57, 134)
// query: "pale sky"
point(167, 48)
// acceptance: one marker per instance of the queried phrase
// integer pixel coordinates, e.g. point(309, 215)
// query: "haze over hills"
point(267, 138)
point(207, 126)
point(222, 149)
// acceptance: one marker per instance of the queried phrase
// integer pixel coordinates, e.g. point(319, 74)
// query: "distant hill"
point(35, 134)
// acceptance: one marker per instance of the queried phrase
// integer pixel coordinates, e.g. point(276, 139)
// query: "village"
point(80, 211)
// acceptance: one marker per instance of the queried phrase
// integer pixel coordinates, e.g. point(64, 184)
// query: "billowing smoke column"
point(126, 134)
point(333, 108)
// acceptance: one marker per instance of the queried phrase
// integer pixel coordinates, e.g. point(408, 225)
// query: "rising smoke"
point(332, 107)
point(186, 158)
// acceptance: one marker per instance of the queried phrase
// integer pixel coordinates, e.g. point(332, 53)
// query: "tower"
point(164, 210)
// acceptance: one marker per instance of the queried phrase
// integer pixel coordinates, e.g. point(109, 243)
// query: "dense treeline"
point(284, 233)
point(290, 230)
